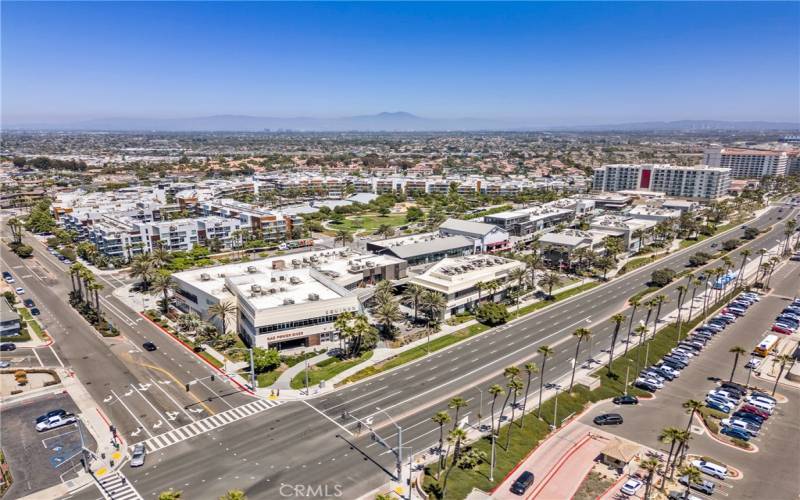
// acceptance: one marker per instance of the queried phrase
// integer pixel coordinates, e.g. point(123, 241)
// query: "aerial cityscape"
point(539, 250)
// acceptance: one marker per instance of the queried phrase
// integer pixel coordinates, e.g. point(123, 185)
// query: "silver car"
point(137, 457)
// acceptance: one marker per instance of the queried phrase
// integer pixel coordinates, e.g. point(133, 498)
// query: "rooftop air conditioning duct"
point(255, 288)
point(281, 278)
point(313, 296)
point(205, 277)
point(287, 302)
point(251, 269)
point(294, 280)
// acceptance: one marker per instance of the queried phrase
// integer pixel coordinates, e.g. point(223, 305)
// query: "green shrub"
point(492, 313)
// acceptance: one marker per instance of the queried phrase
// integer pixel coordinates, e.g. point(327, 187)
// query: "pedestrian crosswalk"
point(207, 424)
point(115, 486)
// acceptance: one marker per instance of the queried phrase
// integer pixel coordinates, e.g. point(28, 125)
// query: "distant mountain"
point(382, 122)
point(388, 122)
point(685, 125)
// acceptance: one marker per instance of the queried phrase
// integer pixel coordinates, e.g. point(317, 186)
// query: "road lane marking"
point(141, 425)
point(214, 393)
point(56, 355)
point(154, 409)
point(327, 417)
point(173, 400)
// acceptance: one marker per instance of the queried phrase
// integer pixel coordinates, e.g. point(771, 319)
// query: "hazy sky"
point(544, 63)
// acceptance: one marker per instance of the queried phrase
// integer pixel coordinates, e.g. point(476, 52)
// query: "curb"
point(561, 461)
point(184, 344)
point(713, 436)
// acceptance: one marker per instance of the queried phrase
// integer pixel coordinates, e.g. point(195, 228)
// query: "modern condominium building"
point(696, 182)
point(748, 163)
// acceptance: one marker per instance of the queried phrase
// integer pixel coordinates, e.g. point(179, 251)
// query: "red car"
point(755, 411)
point(781, 329)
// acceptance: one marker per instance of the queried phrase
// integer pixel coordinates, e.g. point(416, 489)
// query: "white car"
point(20, 290)
point(723, 396)
point(56, 421)
point(762, 401)
point(652, 381)
point(5, 364)
point(631, 486)
point(138, 455)
point(753, 363)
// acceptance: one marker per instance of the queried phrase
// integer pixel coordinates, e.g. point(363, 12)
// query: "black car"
point(734, 387)
point(608, 419)
point(748, 417)
point(8, 346)
point(149, 346)
point(674, 361)
point(647, 386)
point(627, 399)
point(35, 311)
point(28, 303)
point(49, 414)
point(523, 482)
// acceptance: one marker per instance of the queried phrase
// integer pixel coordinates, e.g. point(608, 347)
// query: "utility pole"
point(306, 361)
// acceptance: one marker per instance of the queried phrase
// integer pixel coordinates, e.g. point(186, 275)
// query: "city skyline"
point(517, 65)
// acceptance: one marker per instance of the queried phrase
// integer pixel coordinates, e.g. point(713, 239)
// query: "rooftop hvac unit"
point(313, 296)
point(273, 290)
point(283, 289)
point(255, 288)
point(205, 277)
point(273, 279)
point(220, 275)
point(251, 269)
point(369, 263)
point(294, 280)
point(281, 278)
point(287, 302)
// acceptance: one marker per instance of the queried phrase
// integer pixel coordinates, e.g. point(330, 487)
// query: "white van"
point(761, 405)
point(758, 399)
point(711, 468)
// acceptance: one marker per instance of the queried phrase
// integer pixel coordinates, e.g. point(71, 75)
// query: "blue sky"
point(542, 63)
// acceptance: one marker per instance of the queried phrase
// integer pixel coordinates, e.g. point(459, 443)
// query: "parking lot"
point(778, 440)
point(39, 460)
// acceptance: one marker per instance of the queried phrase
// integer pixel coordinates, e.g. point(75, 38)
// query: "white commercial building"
point(699, 182)
point(287, 301)
point(748, 163)
point(455, 278)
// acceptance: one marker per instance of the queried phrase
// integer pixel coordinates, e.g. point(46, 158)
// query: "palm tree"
point(455, 437)
point(510, 373)
point(413, 293)
point(682, 437)
point(433, 305)
point(456, 404)
point(783, 360)
point(546, 351)
point(492, 287)
point(343, 324)
point(188, 322)
point(384, 292)
point(222, 311)
point(634, 303)
point(387, 314)
point(681, 294)
point(693, 476)
point(163, 284)
point(514, 387)
point(530, 369)
point(160, 256)
point(170, 495)
point(618, 319)
point(669, 435)
point(659, 300)
point(651, 466)
point(580, 334)
point(695, 283)
point(550, 281)
point(744, 254)
point(95, 287)
point(736, 351)
point(495, 390)
point(16, 229)
point(789, 227)
point(533, 262)
point(344, 236)
point(693, 406)
point(385, 230)
point(650, 305)
point(234, 495)
point(142, 267)
point(517, 275)
point(761, 253)
point(441, 418)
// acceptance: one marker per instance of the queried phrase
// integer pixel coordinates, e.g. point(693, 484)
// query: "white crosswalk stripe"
point(207, 424)
point(115, 486)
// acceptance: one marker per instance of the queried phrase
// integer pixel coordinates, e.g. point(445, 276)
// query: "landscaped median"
point(457, 336)
point(533, 430)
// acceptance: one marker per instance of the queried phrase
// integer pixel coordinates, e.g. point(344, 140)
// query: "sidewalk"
point(286, 377)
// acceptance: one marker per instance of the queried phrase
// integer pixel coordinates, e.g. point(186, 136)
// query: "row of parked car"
point(60, 257)
point(788, 321)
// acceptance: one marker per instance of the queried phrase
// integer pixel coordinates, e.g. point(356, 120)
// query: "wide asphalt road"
point(309, 443)
point(142, 392)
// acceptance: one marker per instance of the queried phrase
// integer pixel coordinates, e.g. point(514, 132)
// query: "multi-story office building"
point(695, 182)
point(289, 301)
point(456, 278)
point(748, 163)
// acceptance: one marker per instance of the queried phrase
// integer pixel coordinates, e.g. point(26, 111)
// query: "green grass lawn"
point(326, 369)
point(266, 379)
point(638, 262)
point(214, 361)
point(369, 222)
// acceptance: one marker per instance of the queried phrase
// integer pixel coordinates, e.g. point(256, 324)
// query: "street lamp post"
point(555, 409)
point(399, 453)
point(480, 408)
point(252, 365)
